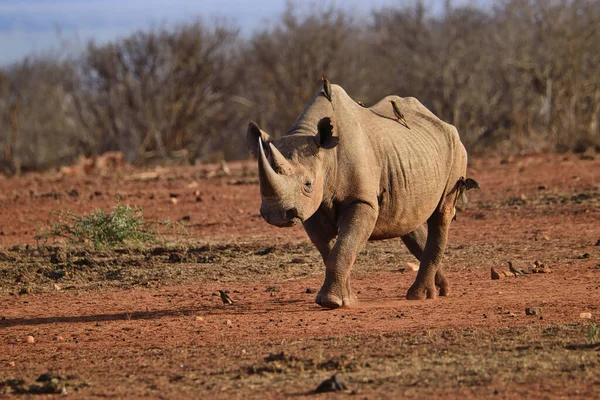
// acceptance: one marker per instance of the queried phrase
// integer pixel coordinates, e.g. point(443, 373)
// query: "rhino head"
point(291, 172)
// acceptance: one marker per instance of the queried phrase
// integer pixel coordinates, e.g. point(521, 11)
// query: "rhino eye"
point(308, 186)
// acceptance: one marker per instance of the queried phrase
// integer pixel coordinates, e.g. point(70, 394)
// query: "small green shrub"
point(124, 225)
point(593, 332)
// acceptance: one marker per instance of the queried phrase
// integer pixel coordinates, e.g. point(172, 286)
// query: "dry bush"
point(159, 94)
point(553, 50)
point(518, 77)
point(446, 62)
point(521, 77)
point(39, 127)
point(283, 65)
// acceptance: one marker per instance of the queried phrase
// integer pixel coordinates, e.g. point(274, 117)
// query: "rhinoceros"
point(351, 174)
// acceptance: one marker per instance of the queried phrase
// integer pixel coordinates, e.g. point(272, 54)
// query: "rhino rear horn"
point(280, 163)
point(325, 138)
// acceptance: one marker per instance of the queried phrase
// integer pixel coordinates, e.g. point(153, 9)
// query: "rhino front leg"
point(430, 278)
point(355, 224)
point(322, 233)
point(415, 242)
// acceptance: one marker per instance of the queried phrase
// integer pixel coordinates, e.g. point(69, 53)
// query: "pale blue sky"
point(32, 26)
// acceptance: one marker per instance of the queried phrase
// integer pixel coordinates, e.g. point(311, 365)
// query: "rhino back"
point(401, 172)
point(407, 170)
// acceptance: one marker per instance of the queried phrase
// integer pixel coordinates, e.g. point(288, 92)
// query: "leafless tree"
point(40, 130)
point(159, 93)
point(283, 65)
point(519, 76)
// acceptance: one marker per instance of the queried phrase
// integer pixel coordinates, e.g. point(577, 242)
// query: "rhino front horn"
point(270, 181)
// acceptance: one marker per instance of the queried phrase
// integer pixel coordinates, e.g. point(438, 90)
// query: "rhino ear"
point(325, 136)
point(252, 135)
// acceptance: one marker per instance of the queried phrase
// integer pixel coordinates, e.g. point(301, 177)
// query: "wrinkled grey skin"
point(351, 174)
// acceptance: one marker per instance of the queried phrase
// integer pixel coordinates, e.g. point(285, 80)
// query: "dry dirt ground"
point(147, 321)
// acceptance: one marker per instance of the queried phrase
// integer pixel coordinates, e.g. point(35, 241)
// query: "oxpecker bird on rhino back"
point(351, 174)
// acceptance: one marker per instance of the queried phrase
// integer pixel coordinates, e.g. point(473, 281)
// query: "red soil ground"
point(176, 339)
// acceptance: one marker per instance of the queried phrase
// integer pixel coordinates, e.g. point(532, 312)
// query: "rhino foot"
point(331, 300)
point(421, 292)
point(441, 284)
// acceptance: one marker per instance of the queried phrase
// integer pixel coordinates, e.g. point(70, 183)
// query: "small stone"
point(11, 364)
point(597, 243)
point(57, 287)
point(229, 323)
point(412, 266)
point(198, 318)
point(333, 384)
point(25, 290)
point(533, 311)
point(495, 274)
point(30, 339)
point(310, 290)
point(540, 268)
point(585, 315)
point(174, 200)
point(225, 168)
point(244, 351)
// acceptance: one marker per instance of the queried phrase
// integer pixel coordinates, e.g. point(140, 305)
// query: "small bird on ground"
point(225, 297)
point(326, 88)
point(514, 270)
point(399, 114)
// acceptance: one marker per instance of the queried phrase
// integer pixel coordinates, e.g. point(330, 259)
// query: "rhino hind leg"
point(415, 242)
point(430, 279)
point(441, 282)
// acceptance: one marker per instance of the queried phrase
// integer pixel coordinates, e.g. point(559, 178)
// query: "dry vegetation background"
point(522, 76)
